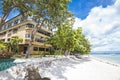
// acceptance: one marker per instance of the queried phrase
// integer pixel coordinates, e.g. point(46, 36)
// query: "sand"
point(65, 69)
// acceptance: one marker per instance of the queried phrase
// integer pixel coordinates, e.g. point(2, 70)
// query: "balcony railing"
point(18, 20)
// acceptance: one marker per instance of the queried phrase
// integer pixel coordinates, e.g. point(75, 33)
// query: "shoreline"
point(105, 61)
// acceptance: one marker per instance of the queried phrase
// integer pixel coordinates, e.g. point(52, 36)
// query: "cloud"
point(102, 27)
point(77, 23)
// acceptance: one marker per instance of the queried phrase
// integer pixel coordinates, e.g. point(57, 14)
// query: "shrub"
point(4, 54)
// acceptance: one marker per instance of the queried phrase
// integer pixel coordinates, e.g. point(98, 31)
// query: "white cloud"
point(77, 23)
point(102, 27)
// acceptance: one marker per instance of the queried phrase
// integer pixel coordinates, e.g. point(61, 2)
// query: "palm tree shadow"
point(59, 67)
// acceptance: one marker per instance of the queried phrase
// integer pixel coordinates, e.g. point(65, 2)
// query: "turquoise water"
point(7, 63)
point(110, 57)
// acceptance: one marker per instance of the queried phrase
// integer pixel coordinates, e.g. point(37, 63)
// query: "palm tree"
point(8, 46)
point(15, 41)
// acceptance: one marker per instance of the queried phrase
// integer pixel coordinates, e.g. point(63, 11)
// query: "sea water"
point(109, 57)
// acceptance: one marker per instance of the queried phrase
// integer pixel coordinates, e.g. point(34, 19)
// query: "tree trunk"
point(44, 52)
point(28, 50)
point(31, 40)
point(67, 52)
point(29, 45)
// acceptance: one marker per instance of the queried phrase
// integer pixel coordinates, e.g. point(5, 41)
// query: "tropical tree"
point(8, 46)
point(83, 45)
point(69, 40)
point(62, 38)
point(49, 12)
point(15, 41)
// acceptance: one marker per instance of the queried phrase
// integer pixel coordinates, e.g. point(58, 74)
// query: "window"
point(3, 34)
point(45, 26)
point(48, 34)
point(41, 49)
point(4, 26)
point(51, 29)
point(29, 26)
point(40, 31)
point(34, 19)
point(16, 22)
point(42, 40)
point(9, 24)
point(23, 19)
point(27, 36)
point(35, 49)
point(10, 30)
point(37, 39)
point(8, 39)
point(15, 30)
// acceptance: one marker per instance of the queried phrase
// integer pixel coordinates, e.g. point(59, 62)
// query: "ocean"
point(115, 58)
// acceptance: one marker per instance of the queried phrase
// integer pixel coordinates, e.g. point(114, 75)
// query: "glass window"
point(16, 22)
point(41, 49)
point(51, 29)
point(35, 49)
point(29, 26)
point(9, 24)
point(15, 30)
point(34, 19)
point(8, 39)
point(23, 19)
point(27, 35)
point(4, 26)
point(10, 30)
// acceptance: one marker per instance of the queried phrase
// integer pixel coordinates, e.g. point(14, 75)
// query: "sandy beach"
point(65, 69)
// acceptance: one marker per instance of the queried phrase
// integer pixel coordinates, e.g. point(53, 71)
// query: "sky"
point(100, 23)
point(99, 20)
point(81, 8)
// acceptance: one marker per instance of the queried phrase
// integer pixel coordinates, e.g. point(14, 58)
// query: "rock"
point(33, 74)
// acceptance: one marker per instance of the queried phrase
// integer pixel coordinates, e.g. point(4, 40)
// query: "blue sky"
point(81, 8)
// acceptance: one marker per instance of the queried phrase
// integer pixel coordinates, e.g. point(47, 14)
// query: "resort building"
point(23, 27)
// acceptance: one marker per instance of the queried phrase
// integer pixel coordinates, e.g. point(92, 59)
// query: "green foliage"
point(4, 54)
point(70, 40)
point(83, 45)
point(6, 46)
point(53, 12)
point(52, 51)
point(14, 42)
point(41, 54)
point(2, 46)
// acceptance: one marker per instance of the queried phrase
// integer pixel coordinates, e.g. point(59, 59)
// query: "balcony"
point(27, 41)
point(41, 35)
point(2, 35)
point(43, 32)
point(9, 34)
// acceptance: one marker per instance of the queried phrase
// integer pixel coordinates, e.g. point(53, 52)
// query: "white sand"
point(66, 69)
